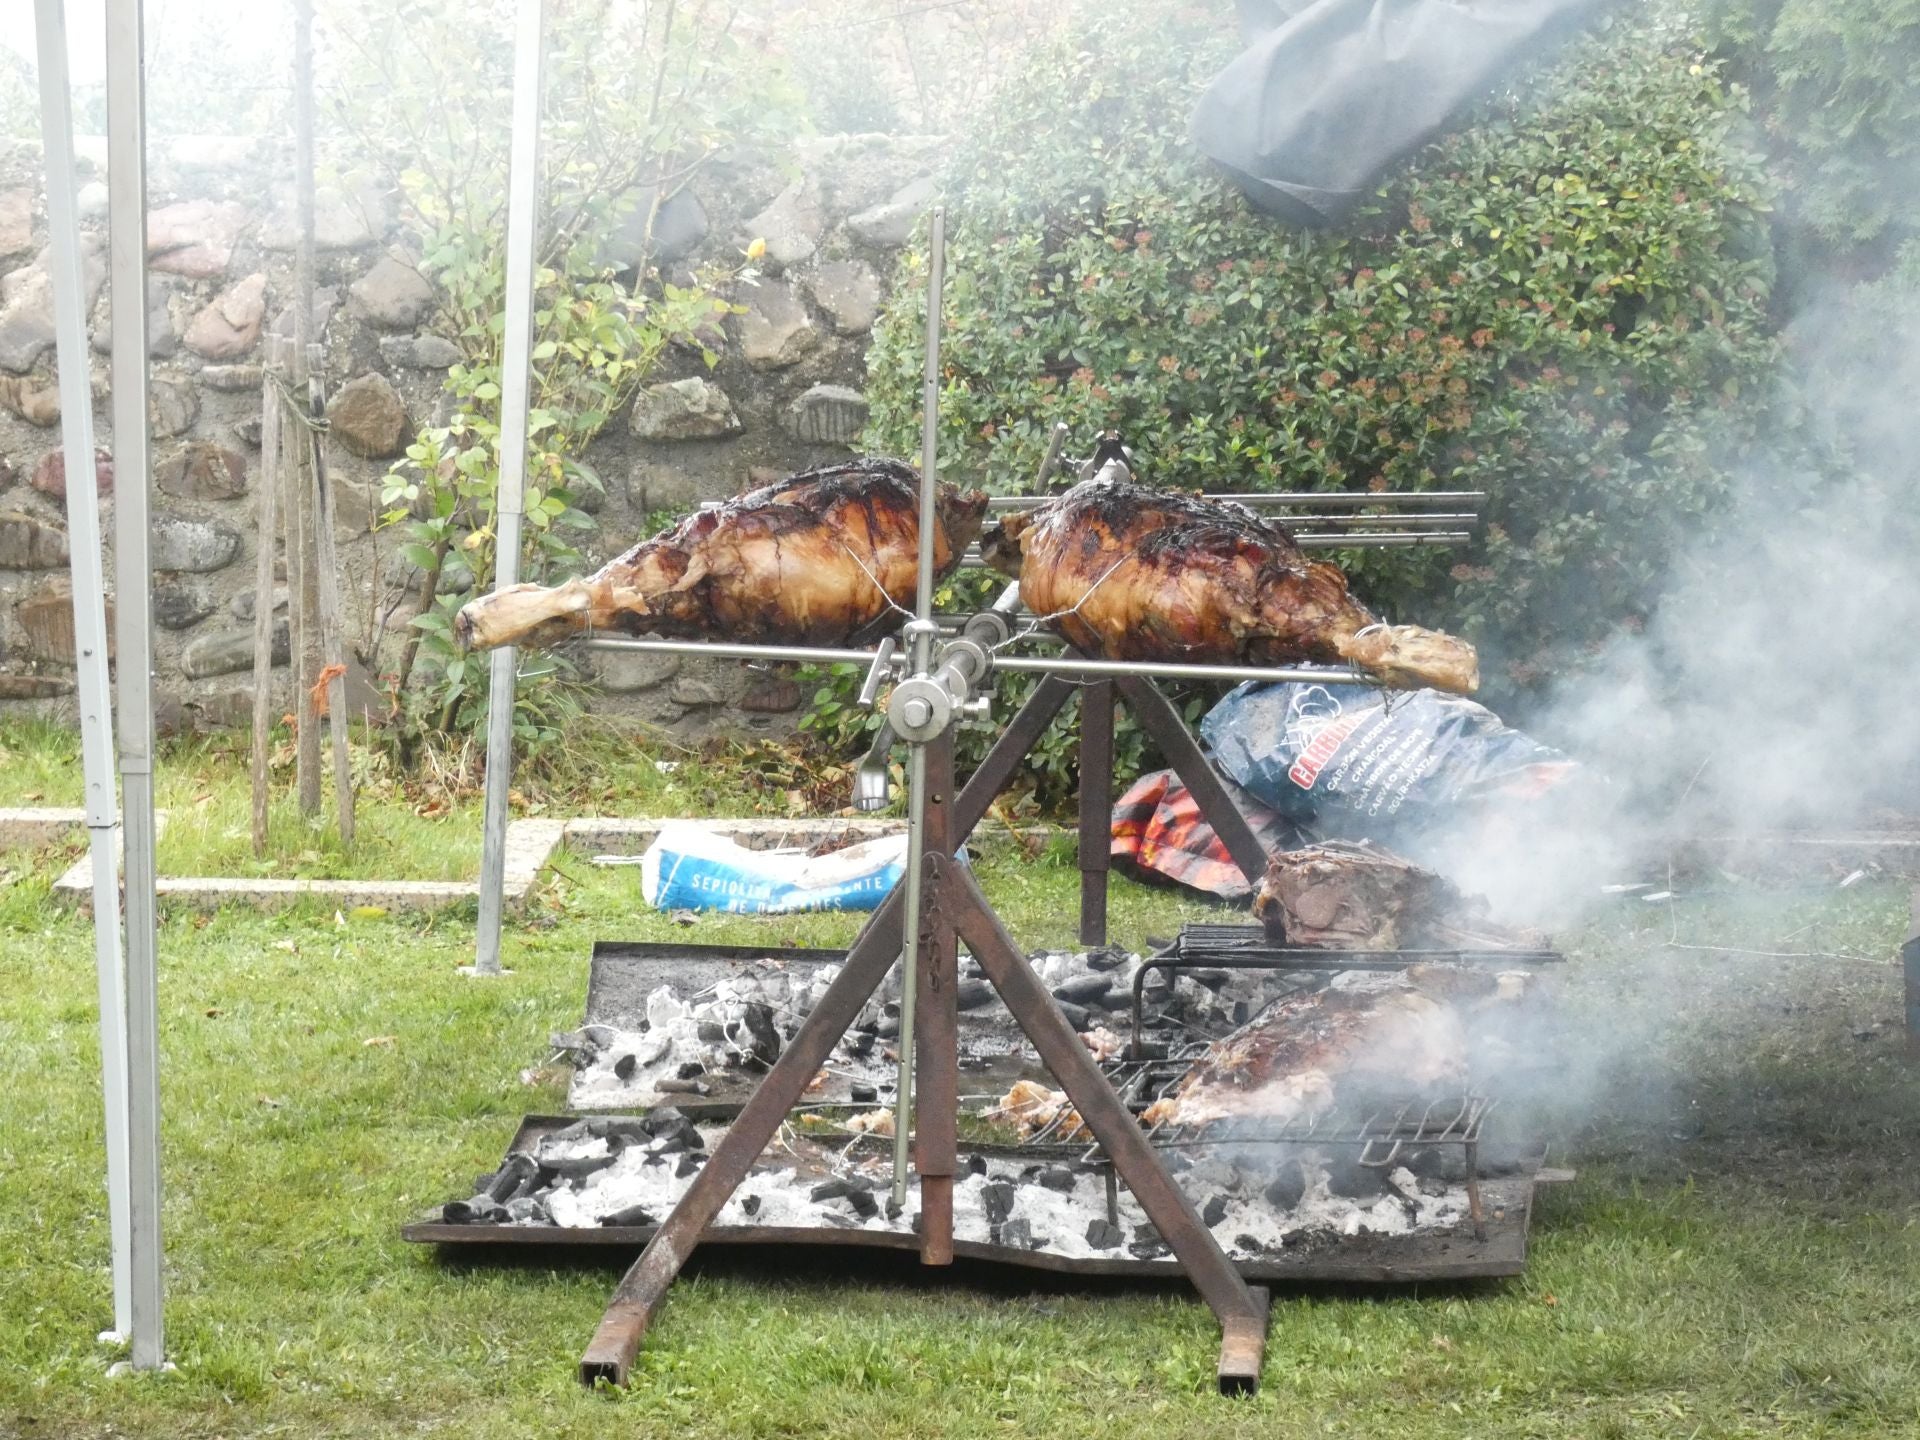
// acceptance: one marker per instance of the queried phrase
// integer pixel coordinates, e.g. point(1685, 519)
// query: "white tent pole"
point(89, 622)
point(523, 198)
point(133, 627)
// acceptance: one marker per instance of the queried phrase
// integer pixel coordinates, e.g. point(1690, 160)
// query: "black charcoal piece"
point(834, 1189)
point(894, 1207)
point(1247, 1245)
point(997, 1197)
point(677, 1086)
point(662, 1119)
point(1283, 1192)
point(689, 1162)
point(863, 1203)
point(669, 1140)
point(1103, 1234)
point(1083, 989)
point(631, 1215)
point(710, 1032)
point(863, 1094)
point(689, 1070)
point(1440, 1162)
point(888, 1028)
point(1214, 1211)
point(1107, 959)
point(750, 1205)
point(1239, 1013)
point(1148, 1250)
point(860, 1044)
point(1076, 1014)
point(969, 994)
point(601, 1036)
point(976, 1164)
point(1017, 1235)
point(480, 1210)
point(1057, 1177)
point(1145, 1231)
point(766, 1039)
point(1432, 1186)
point(575, 1167)
point(517, 1177)
point(624, 1067)
point(1355, 1181)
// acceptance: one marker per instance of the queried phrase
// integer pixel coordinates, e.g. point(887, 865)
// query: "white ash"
point(1249, 1228)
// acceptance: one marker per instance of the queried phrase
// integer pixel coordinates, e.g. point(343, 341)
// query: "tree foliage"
point(1562, 302)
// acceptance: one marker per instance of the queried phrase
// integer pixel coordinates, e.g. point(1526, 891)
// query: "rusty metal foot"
point(609, 1356)
point(1243, 1346)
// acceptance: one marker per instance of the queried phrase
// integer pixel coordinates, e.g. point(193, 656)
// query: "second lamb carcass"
point(816, 559)
point(1131, 574)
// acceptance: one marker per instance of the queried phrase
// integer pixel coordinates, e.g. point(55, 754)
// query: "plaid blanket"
point(1158, 831)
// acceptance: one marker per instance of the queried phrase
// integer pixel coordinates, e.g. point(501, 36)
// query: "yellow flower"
point(756, 249)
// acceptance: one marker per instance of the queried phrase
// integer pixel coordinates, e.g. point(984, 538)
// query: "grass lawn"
point(1740, 1256)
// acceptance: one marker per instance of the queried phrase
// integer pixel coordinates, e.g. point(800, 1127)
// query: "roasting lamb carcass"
point(1339, 896)
point(1128, 573)
point(816, 559)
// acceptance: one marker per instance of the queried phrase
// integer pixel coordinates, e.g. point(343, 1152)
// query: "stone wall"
point(785, 394)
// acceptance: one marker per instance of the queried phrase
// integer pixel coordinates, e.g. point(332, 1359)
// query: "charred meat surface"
point(1430, 1033)
point(1337, 896)
point(1133, 574)
point(816, 559)
point(1304, 1052)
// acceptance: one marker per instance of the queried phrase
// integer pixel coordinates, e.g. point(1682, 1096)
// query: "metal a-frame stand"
point(953, 911)
point(1156, 716)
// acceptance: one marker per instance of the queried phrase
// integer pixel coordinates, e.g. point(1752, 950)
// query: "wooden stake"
point(305, 591)
point(264, 531)
point(331, 645)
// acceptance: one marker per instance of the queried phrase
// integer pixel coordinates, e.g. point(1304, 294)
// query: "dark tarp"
point(1330, 92)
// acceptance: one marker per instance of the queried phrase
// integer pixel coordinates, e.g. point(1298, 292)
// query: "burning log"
point(816, 559)
point(1131, 574)
point(1338, 896)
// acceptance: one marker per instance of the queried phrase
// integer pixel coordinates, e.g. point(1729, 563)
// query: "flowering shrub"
point(1562, 302)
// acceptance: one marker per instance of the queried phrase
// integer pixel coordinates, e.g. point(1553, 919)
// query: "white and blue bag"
point(690, 868)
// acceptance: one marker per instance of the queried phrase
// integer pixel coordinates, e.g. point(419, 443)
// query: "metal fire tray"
point(1370, 1259)
point(622, 973)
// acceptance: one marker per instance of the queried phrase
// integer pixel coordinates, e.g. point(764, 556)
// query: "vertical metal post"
point(516, 374)
point(89, 624)
point(1910, 966)
point(919, 662)
point(127, 210)
point(1096, 808)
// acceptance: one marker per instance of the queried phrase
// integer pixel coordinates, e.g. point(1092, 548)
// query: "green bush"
point(1839, 83)
point(1562, 302)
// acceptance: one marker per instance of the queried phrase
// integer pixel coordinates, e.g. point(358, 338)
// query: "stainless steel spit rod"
point(920, 635)
point(1024, 664)
point(1305, 499)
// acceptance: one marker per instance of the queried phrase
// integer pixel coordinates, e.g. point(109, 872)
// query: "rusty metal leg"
point(936, 1082)
point(1096, 808)
point(1242, 1313)
point(610, 1354)
point(1162, 722)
